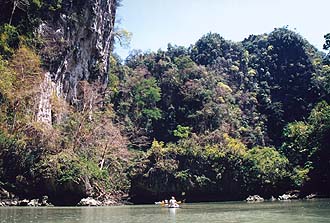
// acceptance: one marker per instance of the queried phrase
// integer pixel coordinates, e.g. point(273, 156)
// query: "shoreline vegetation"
point(215, 121)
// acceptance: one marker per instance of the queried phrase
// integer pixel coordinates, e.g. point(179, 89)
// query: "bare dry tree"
point(27, 72)
point(20, 4)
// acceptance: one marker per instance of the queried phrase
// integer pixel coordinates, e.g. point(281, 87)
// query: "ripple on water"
point(317, 211)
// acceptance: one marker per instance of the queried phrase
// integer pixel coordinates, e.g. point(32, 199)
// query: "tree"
point(24, 96)
point(295, 145)
point(269, 169)
point(209, 48)
point(326, 45)
point(319, 140)
point(123, 37)
point(20, 4)
point(136, 106)
point(284, 66)
point(6, 81)
point(9, 40)
point(182, 132)
point(306, 146)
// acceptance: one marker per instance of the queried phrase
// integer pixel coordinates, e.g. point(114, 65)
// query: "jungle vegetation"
point(218, 120)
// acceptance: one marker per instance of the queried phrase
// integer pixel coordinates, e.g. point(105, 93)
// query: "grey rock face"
point(254, 198)
point(33, 203)
point(78, 44)
point(44, 113)
point(89, 202)
point(311, 196)
point(286, 197)
point(25, 202)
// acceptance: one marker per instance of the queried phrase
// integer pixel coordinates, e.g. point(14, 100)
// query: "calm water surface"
point(286, 212)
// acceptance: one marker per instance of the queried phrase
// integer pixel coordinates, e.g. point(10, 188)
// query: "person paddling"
point(173, 203)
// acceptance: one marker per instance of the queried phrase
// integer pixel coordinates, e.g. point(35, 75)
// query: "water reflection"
point(298, 211)
point(172, 212)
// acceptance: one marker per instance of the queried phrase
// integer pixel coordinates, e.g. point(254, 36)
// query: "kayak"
point(166, 204)
point(174, 206)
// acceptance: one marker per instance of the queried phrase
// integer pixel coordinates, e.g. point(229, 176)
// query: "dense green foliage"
point(257, 93)
point(204, 172)
point(249, 90)
point(307, 147)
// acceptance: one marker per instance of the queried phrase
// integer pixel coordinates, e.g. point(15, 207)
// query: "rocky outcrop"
point(44, 113)
point(255, 198)
point(25, 202)
point(89, 201)
point(288, 196)
point(311, 196)
point(77, 45)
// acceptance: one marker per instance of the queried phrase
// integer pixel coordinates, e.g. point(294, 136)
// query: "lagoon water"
point(231, 212)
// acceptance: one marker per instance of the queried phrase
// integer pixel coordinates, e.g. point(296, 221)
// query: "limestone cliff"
point(68, 42)
point(77, 44)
